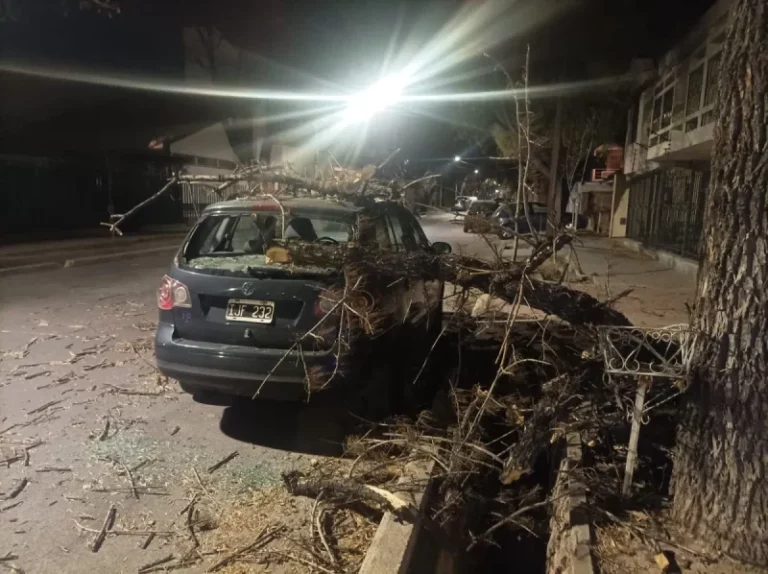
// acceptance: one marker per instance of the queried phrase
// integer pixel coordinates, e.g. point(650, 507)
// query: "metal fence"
point(666, 209)
point(196, 196)
point(46, 195)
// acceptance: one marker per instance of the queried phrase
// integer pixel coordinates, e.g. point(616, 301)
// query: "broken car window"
point(236, 234)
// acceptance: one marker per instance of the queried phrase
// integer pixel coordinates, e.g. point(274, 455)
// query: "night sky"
point(311, 45)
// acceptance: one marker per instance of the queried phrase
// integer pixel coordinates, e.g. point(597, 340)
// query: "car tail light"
point(172, 294)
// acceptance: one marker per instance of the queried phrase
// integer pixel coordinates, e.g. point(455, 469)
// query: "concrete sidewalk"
point(659, 294)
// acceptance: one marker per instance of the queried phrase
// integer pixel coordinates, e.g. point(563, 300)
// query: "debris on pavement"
point(213, 468)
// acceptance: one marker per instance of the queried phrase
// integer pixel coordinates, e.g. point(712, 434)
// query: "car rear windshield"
point(239, 241)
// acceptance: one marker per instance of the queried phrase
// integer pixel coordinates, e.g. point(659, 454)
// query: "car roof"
point(302, 204)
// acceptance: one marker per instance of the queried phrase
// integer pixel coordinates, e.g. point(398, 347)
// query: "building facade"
point(660, 198)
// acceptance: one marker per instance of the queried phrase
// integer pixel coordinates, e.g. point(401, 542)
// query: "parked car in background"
point(462, 203)
point(234, 320)
point(504, 220)
point(477, 219)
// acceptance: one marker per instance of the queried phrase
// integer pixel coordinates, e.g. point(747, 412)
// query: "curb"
point(394, 545)
point(571, 540)
point(82, 261)
point(29, 268)
point(8, 253)
point(677, 262)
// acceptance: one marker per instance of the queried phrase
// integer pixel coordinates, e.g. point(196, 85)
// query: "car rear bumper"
point(236, 370)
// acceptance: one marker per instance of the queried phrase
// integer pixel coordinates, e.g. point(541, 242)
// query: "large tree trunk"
point(721, 491)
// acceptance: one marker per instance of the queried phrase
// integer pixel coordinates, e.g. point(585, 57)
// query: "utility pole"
point(554, 204)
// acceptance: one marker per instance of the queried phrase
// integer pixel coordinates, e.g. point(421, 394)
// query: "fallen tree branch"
point(113, 227)
point(348, 492)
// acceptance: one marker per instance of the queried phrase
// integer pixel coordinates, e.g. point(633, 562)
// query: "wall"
point(673, 118)
point(621, 207)
point(210, 142)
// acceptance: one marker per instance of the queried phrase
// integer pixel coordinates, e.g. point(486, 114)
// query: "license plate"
point(250, 311)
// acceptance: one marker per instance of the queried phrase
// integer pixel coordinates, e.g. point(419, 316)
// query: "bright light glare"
point(477, 171)
point(457, 158)
point(380, 96)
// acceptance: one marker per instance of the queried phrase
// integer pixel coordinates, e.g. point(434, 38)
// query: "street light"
point(381, 95)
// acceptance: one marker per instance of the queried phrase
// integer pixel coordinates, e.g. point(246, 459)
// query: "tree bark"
point(721, 491)
point(554, 193)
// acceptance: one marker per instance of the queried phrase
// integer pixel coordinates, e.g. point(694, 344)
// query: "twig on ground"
point(222, 462)
point(124, 391)
point(10, 506)
point(109, 521)
point(47, 405)
point(304, 561)
point(142, 357)
point(153, 490)
point(190, 526)
point(35, 375)
point(6, 429)
point(264, 538)
point(323, 539)
point(191, 503)
point(157, 562)
point(105, 432)
point(147, 541)
point(127, 471)
point(17, 489)
point(122, 532)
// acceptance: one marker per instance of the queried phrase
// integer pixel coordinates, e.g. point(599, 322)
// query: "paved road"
point(76, 326)
point(445, 227)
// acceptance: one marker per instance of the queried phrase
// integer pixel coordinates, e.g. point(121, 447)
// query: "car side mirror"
point(441, 248)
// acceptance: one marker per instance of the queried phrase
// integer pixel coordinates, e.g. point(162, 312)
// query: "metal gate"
point(197, 196)
point(666, 209)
